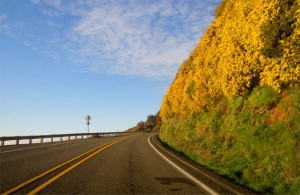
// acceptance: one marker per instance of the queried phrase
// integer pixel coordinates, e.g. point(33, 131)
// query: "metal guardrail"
point(74, 136)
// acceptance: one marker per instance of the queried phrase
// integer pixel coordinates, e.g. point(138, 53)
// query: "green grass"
point(253, 140)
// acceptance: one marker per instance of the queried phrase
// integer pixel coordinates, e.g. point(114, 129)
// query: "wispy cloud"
point(130, 37)
point(2, 17)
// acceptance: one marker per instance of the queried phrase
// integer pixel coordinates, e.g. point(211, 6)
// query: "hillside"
point(151, 124)
point(234, 105)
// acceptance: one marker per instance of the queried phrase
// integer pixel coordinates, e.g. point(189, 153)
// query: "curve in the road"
point(194, 179)
point(138, 165)
point(89, 154)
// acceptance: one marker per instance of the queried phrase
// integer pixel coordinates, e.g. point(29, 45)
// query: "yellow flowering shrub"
point(282, 46)
point(250, 43)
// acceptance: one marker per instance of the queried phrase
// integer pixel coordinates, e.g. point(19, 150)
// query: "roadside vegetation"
point(151, 124)
point(254, 140)
point(234, 105)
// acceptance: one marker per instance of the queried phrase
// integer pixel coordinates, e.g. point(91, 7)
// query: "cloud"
point(138, 39)
point(126, 37)
point(3, 17)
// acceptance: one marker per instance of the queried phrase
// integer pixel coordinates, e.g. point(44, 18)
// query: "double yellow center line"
point(44, 185)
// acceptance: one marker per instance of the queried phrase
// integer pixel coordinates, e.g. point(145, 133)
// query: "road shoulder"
point(215, 184)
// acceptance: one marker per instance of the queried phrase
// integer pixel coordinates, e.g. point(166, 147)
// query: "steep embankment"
point(235, 103)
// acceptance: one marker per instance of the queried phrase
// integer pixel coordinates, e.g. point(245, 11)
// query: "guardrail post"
point(61, 137)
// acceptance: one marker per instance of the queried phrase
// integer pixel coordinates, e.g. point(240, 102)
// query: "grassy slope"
point(234, 105)
point(254, 140)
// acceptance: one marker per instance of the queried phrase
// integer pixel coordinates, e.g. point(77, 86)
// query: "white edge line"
point(199, 183)
point(221, 184)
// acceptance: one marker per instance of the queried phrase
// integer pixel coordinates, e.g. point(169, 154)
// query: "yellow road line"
point(53, 169)
point(44, 185)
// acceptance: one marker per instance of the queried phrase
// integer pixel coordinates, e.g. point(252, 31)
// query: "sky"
point(112, 59)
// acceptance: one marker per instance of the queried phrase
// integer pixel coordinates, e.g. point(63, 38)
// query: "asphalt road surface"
point(134, 164)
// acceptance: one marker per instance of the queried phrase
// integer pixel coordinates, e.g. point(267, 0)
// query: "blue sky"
point(112, 59)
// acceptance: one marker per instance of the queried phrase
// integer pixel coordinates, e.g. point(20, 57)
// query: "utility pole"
point(88, 118)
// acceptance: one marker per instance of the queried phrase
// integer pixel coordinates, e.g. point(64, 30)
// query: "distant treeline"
point(151, 124)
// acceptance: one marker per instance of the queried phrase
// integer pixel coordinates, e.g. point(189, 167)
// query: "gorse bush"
point(251, 43)
point(281, 35)
point(234, 104)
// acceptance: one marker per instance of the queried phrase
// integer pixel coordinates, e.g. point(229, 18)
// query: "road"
point(120, 165)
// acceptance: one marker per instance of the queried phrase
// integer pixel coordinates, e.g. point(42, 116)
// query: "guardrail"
point(62, 137)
